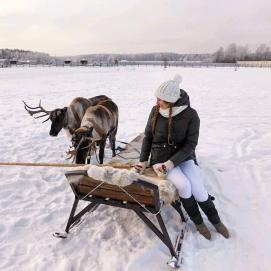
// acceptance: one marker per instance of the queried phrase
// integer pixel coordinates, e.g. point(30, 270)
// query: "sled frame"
point(95, 201)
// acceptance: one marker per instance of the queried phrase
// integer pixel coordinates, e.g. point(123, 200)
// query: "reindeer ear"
point(81, 130)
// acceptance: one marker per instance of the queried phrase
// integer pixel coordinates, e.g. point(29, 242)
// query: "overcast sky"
point(71, 27)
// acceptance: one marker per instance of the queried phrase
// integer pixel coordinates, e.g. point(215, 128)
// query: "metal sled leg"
point(74, 219)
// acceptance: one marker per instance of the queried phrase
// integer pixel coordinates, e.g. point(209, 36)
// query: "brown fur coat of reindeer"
point(67, 118)
point(99, 123)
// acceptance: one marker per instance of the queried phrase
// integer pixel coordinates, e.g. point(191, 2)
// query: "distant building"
point(13, 62)
point(67, 62)
point(256, 63)
point(83, 62)
point(124, 62)
point(100, 63)
point(23, 62)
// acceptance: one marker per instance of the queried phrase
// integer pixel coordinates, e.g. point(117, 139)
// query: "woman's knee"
point(200, 195)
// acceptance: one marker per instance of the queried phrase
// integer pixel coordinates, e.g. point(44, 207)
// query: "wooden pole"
point(115, 165)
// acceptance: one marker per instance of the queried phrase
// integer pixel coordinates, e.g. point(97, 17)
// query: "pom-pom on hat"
point(169, 91)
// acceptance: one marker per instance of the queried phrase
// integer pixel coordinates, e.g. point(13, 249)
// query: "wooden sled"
point(140, 197)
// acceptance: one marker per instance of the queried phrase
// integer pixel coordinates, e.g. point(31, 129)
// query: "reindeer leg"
point(101, 150)
point(82, 154)
point(112, 140)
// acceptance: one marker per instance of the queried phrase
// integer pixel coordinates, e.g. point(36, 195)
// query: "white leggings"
point(188, 181)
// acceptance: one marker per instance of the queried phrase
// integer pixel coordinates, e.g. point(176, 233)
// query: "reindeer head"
point(81, 140)
point(56, 116)
point(82, 134)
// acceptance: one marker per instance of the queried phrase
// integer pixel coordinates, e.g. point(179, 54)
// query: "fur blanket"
point(124, 177)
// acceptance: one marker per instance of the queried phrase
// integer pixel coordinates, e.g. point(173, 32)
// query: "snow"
point(234, 153)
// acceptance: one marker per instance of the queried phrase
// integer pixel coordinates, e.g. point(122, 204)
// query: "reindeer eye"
point(53, 116)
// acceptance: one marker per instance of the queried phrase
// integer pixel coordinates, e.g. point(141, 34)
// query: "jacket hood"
point(183, 100)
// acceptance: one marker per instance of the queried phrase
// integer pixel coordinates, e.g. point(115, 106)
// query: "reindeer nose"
point(52, 133)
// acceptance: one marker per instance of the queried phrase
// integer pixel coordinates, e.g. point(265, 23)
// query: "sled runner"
point(139, 196)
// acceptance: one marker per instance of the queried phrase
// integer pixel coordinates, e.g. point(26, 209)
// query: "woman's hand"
point(162, 169)
point(140, 167)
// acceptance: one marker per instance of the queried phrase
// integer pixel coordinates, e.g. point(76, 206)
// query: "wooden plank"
point(116, 195)
point(142, 194)
point(133, 188)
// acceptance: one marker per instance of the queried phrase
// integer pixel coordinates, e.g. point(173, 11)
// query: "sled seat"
point(140, 197)
point(142, 192)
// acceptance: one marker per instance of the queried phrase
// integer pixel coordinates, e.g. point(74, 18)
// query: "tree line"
point(233, 53)
point(230, 54)
point(25, 55)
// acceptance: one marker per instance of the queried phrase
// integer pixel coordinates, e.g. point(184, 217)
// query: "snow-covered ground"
point(234, 153)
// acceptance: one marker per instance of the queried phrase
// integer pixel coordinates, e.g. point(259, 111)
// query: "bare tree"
point(219, 55)
point(242, 53)
point(231, 53)
point(262, 52)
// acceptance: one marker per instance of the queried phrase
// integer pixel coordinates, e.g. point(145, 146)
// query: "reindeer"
point(99, 123)
point(69, 118)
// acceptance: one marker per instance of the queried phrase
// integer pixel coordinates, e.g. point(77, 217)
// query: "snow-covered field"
point(234, 153)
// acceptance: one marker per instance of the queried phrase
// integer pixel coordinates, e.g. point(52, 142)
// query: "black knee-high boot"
point(191, 207)
point(209, 209)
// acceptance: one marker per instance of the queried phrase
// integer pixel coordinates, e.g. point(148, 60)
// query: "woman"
point(171, 136)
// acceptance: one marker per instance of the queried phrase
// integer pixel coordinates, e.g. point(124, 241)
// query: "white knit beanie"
point(169, 91)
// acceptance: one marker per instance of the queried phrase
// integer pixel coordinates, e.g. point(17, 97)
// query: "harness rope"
point(140, 203)
point(114, 165)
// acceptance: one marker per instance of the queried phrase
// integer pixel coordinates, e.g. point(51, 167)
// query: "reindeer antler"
point(32, 111)
point(72, 152)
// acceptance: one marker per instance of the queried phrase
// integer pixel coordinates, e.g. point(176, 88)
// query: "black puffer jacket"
point(185, 133)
